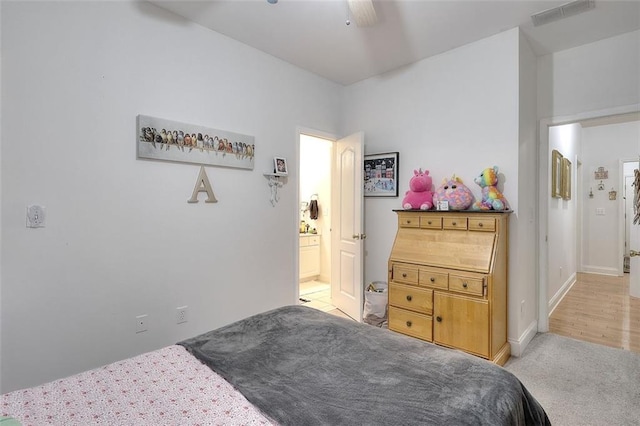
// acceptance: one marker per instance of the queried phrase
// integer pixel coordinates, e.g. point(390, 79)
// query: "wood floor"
point(598, 309)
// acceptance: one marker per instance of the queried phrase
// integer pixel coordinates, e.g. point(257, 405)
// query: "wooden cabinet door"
point(461, 322)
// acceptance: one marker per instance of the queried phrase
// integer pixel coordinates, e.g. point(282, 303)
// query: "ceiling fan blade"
point(363, 12)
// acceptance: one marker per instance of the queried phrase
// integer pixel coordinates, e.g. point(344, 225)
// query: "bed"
point(293, 366)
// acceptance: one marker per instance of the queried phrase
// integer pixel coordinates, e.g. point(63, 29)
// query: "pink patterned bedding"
point(164, 387)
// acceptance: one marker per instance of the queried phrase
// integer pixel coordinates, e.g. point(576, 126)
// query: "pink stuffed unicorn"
point(419, 195)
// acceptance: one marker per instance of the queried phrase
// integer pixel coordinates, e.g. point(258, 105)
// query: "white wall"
point(605, 146)
point(563, 223)
point(523, 256)
point(588, 81)
point(120, 238)
point(592, 77)
point(455, 113)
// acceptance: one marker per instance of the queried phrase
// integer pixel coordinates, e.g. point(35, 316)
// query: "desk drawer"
point(482, 224)
point(411, 323)
point(454, 223)
point(411, 297)
point(405, 274)
point(408, 220)
point(433, 277)
point(431, 222)
point(472, 285)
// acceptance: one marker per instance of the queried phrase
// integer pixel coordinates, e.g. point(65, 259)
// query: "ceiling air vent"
point(561, 12)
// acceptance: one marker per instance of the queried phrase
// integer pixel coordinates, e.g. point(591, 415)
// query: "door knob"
point(356, 236)
point(633, 253)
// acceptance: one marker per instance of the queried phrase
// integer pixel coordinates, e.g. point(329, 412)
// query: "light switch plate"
point(35, 216)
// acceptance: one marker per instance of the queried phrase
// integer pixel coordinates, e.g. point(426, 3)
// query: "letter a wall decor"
point(202, 185)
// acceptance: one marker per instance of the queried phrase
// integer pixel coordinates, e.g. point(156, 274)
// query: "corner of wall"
point(518, 346)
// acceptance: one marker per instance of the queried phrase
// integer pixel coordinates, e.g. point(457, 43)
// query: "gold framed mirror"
point(566, 179)
point(556, 174)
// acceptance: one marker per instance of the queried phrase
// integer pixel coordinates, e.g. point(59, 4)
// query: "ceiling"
point(313, 35)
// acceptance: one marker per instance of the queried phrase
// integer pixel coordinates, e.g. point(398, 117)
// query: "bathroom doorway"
point(314, 225)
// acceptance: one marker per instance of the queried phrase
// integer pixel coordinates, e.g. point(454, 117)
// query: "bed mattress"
point(164, 387)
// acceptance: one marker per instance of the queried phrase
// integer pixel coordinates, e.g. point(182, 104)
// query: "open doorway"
point(315, 222)
point(330, 186)
point(607, 148)
point(605, 138)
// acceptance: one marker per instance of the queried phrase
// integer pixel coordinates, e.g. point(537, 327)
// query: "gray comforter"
point(301, 366)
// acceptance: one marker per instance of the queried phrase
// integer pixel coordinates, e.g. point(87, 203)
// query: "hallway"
point(598, 309)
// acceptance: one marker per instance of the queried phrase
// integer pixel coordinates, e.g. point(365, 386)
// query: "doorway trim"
point(543, 197)
point(622, 212)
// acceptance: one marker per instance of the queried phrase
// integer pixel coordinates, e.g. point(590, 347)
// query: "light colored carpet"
point(580, 383)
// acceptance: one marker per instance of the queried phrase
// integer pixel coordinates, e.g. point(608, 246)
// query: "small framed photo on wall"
point(280, 166)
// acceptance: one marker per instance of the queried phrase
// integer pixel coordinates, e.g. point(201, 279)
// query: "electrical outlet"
point(182, 314)
point(141, 323)
point(35, 216)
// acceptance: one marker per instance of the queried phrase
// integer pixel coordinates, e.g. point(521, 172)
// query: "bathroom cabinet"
point(309, 256)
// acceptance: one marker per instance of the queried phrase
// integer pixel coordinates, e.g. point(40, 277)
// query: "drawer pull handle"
point(429, 222)
point(408, 222)
point(480, 225)
point(408, 323)
point(432, 279)
point(454, 223)
point(464, 285)
point(439, 318)
point(409, 298)
point(404, 275)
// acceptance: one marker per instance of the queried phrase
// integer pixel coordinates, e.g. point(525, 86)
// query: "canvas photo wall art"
point(381, 175)
point(166, 140)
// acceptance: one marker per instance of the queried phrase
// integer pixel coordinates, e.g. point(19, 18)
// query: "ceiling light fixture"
point(561, 12)
point(272, 1)
point(363, 12)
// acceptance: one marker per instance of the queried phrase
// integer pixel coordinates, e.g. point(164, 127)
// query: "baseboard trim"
point(518, 346)
point(589, 269)
point(557, 298)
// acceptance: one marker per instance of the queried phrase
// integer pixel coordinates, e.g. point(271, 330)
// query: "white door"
point(347, 226)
